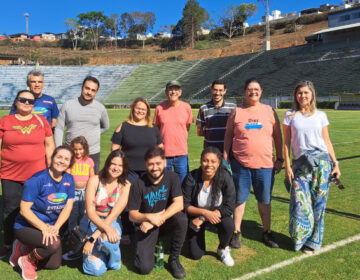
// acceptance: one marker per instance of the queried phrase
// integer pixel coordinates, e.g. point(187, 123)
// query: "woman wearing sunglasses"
point(26, 145)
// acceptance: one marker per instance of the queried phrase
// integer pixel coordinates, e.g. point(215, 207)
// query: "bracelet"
point(335, 162)
point(202, 218)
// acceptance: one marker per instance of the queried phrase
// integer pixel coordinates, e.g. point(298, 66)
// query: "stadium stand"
point(62, 82)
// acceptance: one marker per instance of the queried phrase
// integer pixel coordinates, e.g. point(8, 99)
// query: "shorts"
point(262, 180)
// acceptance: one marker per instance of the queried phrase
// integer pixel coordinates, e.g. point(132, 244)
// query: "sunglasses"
point(337, 182)
point(24, 100)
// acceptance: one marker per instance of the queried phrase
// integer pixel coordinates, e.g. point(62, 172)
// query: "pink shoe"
point(18, 250)
point(28, 269)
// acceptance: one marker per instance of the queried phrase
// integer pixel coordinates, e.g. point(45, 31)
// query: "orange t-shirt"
point(173, 122)
point(253, 136)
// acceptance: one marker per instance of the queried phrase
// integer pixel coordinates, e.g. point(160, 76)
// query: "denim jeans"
point(78, 210)
point(108, 255)
point(180, 164)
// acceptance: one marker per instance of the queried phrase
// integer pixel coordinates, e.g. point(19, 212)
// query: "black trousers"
point(176, 227)
point(96, 159)
point(51, 253)
point(197, 239)
point(11, 194)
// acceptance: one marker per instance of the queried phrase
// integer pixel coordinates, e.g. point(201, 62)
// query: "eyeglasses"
point(24, 100)
point(337, 182)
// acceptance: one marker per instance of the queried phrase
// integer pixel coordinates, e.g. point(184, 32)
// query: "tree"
point(94, 21)
point(142, 23)
point(112, 24)
point(75, 31)
point(193, 17)
point(126, 21)
point(234, 17)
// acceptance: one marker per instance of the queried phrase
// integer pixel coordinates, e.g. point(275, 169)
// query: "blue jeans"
point(180, 164)
point(262, 180)
point(78, 209)
point(108, 255)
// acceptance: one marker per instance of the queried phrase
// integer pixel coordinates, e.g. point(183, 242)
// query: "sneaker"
point(269, 240)
point(4, 251)
point(28, 269)
point(235, 241)
point(307, 250)
point(18, 250)
point(177, 270)
point(72, 256)
point(225, 256)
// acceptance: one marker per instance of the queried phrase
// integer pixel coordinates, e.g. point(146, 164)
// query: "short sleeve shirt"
point(48, 196)
point(23, 147)
point(135, 141)
point(173, 122)
point(306, 132)
point(153, 198)
point(81, 169)
point(45, 106)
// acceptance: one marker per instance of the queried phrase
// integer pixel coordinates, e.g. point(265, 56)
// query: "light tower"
point(267, 32)
point(27, 23)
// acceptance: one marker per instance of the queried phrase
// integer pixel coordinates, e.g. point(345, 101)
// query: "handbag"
point(77, 240)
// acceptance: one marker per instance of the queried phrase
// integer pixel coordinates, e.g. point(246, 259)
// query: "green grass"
point(342, 220)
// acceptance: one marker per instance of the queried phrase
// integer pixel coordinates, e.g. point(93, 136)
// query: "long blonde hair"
point(296, 105)
point(148, 111)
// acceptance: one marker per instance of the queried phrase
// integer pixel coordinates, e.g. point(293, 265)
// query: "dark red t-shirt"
point(23, 147)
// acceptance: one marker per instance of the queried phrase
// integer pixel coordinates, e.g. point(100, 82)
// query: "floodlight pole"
point(267, 36)
point(27, 23)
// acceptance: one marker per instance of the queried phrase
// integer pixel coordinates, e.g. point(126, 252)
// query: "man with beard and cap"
point(155, 205)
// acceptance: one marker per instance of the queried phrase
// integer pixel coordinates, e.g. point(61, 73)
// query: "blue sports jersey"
point(49, 197)
point(45, 106)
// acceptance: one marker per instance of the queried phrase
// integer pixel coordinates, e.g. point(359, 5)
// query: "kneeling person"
point(156, 202)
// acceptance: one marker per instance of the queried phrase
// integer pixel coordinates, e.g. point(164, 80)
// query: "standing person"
point(26, 145)
point(45, 105)
point(212, 117)
point(84, 116)
point(155, 204)
point(209, 197)
point(82, 170)
point(135, 136)
point(250, 133)
point(314, 161)
point(45, 206)
point(173, 118)
point(106, 197)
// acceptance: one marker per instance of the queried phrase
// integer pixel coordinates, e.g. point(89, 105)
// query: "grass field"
point(342, 220)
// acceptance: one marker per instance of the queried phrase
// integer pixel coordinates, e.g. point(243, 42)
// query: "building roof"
point(337, 28)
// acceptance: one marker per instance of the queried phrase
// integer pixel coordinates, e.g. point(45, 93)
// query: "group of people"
point(145, 180)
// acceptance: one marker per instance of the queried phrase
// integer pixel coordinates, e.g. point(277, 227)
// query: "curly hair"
point(82, 141)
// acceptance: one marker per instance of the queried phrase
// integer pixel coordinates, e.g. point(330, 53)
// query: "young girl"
point(82, 170)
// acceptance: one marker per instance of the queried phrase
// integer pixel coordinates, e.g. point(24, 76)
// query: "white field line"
point(341, 143)
point(300, 258)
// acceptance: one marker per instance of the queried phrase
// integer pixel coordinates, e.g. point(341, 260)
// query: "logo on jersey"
point(253, 124)
point(39, 110)
point(67, 184)
point(155, 197)
point(57, 198)
point(25, 129)
point(48, 185)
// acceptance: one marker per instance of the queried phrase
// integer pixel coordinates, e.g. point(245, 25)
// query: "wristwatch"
point(202, 218)
point(91, 239)
point(335, 162)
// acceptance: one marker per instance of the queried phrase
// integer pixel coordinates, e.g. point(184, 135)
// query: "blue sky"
point(48, 16)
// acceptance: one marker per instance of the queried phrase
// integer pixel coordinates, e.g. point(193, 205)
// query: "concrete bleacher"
point(62, 82)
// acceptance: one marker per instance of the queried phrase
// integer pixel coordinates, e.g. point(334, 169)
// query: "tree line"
point(93, 25)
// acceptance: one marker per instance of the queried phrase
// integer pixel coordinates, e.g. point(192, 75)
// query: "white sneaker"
point(226, 256)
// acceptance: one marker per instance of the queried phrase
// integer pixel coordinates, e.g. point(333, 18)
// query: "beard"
point(151, 176)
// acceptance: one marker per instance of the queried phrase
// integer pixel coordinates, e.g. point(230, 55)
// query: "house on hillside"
point(19, 37)
point(343, 25)
point(48, 37)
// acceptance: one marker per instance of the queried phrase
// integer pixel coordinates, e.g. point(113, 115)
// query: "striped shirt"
point(213, 120)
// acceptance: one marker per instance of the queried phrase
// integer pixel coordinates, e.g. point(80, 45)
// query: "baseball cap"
point(173, 83)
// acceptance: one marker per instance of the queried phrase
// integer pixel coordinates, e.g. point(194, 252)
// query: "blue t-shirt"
point(45, 106)
point(49, 197)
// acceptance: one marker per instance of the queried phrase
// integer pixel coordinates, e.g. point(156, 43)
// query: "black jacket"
point(193, 183)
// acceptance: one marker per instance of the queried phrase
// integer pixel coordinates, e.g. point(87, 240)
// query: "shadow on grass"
point(328, 210)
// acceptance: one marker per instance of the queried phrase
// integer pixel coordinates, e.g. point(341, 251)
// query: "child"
point(82, 169)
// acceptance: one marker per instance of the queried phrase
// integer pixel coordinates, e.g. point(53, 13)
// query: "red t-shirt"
point(23, 147)
point(173, 122)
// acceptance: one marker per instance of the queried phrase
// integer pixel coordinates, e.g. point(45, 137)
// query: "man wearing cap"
point(173, 118)
point(212, 117)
